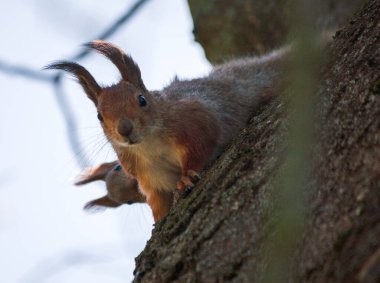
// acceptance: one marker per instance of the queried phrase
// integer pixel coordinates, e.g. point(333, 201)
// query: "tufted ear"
point(90, 86)
point(128, 69)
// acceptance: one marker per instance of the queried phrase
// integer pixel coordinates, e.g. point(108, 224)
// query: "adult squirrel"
point(165, 138)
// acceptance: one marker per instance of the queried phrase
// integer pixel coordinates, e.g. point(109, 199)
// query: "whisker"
point(92, 147)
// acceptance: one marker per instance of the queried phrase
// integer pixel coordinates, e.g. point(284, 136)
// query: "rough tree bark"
point(216, 234)
point(236, 28)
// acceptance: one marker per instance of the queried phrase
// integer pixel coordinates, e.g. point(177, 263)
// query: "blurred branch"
point(56, 81)
point(294, 174)
point(24, 72)
point(108, 32)
point(71, 125)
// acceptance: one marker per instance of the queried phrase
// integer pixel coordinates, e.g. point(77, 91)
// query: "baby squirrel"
point(163, 139)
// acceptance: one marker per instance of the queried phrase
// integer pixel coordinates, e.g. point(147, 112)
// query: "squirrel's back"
point(233, 91)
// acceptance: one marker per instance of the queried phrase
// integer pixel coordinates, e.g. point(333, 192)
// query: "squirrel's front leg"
point(194, 162)
point(160, 202)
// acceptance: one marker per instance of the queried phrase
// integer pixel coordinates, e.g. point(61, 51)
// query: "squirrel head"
point(126, 110)
point(121, 188)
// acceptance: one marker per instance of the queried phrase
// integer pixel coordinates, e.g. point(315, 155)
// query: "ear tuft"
point(85, 79)
point(128, 69)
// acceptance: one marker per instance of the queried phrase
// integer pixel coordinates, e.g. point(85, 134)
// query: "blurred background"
point(49, 132)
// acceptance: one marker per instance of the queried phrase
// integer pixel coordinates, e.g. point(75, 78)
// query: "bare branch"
point(24, 72)
point(114, 27)
point(71, 125)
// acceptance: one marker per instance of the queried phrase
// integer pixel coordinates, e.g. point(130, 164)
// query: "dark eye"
point(117, 168)
point(142, 101)
point(100, 117)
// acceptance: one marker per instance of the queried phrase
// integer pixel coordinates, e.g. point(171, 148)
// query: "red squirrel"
point(120, 188)
point(164, 139)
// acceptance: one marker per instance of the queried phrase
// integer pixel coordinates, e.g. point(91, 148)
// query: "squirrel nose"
point(125, 127)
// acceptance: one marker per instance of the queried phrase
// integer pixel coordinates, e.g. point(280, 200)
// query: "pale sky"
point(45, 236)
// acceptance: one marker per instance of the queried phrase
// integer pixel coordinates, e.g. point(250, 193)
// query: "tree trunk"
point(235, 28)
point(216, 234)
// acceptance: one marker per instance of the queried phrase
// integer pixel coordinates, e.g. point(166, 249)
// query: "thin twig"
point(71, 126)
point(107, 33)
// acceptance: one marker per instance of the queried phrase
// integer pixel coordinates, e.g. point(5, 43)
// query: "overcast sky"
point(45, 236)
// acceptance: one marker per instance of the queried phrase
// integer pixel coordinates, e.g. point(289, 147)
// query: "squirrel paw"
point(186, 184)
point(194, 176)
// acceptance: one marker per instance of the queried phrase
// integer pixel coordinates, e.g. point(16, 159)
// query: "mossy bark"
point(216, 234)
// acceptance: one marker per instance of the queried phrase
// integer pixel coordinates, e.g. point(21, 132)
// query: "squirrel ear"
point(128, 69)
point(90, 86)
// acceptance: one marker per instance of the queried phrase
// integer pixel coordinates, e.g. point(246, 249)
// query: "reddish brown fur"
point(196, 136)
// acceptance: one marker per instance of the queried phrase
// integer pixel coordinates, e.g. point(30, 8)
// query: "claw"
point(194, 176)
point(186, 184)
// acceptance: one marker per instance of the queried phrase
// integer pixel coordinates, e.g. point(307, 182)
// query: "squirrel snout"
point(125, 128)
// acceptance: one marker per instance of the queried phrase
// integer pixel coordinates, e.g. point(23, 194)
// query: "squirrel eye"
point(142, 101)
point(117, 168)
point(100, 117)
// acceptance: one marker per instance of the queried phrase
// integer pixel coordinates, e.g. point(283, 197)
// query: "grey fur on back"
point(234, 90)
